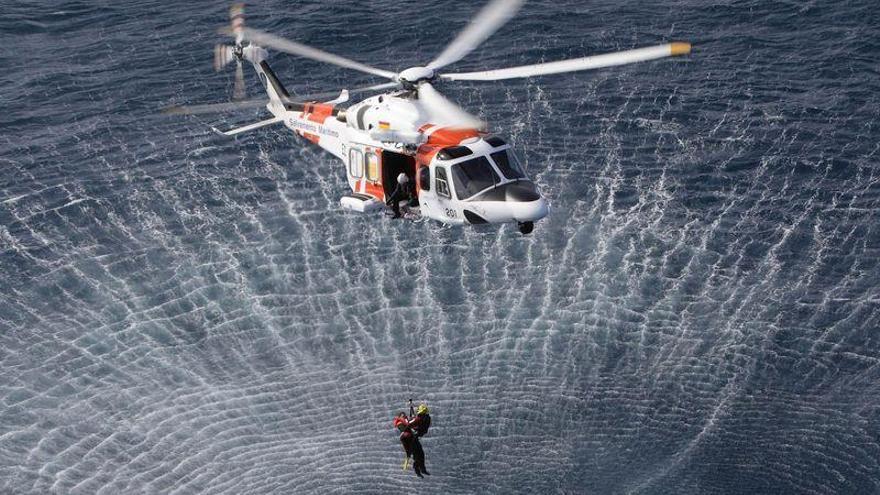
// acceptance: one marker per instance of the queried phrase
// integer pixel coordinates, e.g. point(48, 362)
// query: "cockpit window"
point(508, 165)
point(453, 152)
point(473, 176)
point(495, 141)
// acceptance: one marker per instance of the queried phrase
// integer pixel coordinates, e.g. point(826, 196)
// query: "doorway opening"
point(392, 165)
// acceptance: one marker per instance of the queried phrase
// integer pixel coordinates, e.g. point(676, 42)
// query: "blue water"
point(183, 313)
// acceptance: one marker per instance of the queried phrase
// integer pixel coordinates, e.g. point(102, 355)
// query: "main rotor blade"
point(492, 17)
point(594, 62)
point(443, 112)
point(294, 48)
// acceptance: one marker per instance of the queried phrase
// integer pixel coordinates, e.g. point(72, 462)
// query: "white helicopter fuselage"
point(460, 176)
point(414, 134)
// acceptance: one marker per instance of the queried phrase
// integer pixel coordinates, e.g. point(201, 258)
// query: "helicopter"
point(410, 133)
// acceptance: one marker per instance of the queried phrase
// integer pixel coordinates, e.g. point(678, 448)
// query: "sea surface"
point(186, 313)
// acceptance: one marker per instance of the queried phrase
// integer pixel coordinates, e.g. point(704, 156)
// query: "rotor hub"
point(409, 78)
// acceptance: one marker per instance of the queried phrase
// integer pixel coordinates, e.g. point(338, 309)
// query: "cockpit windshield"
point(508, 165)
point(473, 176)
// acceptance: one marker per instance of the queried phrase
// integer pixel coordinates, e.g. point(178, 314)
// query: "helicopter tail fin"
point(277, 92)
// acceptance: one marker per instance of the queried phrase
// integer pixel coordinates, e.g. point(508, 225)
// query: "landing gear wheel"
point(526, 228)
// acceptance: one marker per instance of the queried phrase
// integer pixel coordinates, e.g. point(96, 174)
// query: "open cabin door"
point(392, 166)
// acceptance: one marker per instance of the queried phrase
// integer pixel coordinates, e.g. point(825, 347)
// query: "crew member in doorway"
point(402, 192)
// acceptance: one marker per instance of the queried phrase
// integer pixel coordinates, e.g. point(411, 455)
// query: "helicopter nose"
point(525, 201)
point(529, 211)
point(512, 202)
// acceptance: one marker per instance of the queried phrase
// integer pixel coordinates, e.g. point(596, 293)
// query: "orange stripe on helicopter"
point(375, 190)
point(317, 112)
point(448, 136)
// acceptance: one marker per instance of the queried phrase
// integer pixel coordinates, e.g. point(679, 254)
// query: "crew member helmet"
point(402, 178)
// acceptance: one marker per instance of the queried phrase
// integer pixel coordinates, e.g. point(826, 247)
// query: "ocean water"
point(185, 313)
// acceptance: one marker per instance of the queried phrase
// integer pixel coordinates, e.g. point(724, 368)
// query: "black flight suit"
point(401, 192)
point(419, 425)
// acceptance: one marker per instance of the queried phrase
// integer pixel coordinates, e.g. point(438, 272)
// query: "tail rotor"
point(225, 54)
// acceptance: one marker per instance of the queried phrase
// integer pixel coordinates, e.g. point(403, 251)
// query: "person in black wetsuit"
point(403, 191)
point(420, 420)
point(419, 423)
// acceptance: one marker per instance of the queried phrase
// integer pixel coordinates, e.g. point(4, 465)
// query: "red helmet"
point(400, 423)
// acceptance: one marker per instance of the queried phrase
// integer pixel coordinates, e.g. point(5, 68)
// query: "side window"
point(441, 183)
point(356, 163)
point(372, 167)
point(424, 179)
